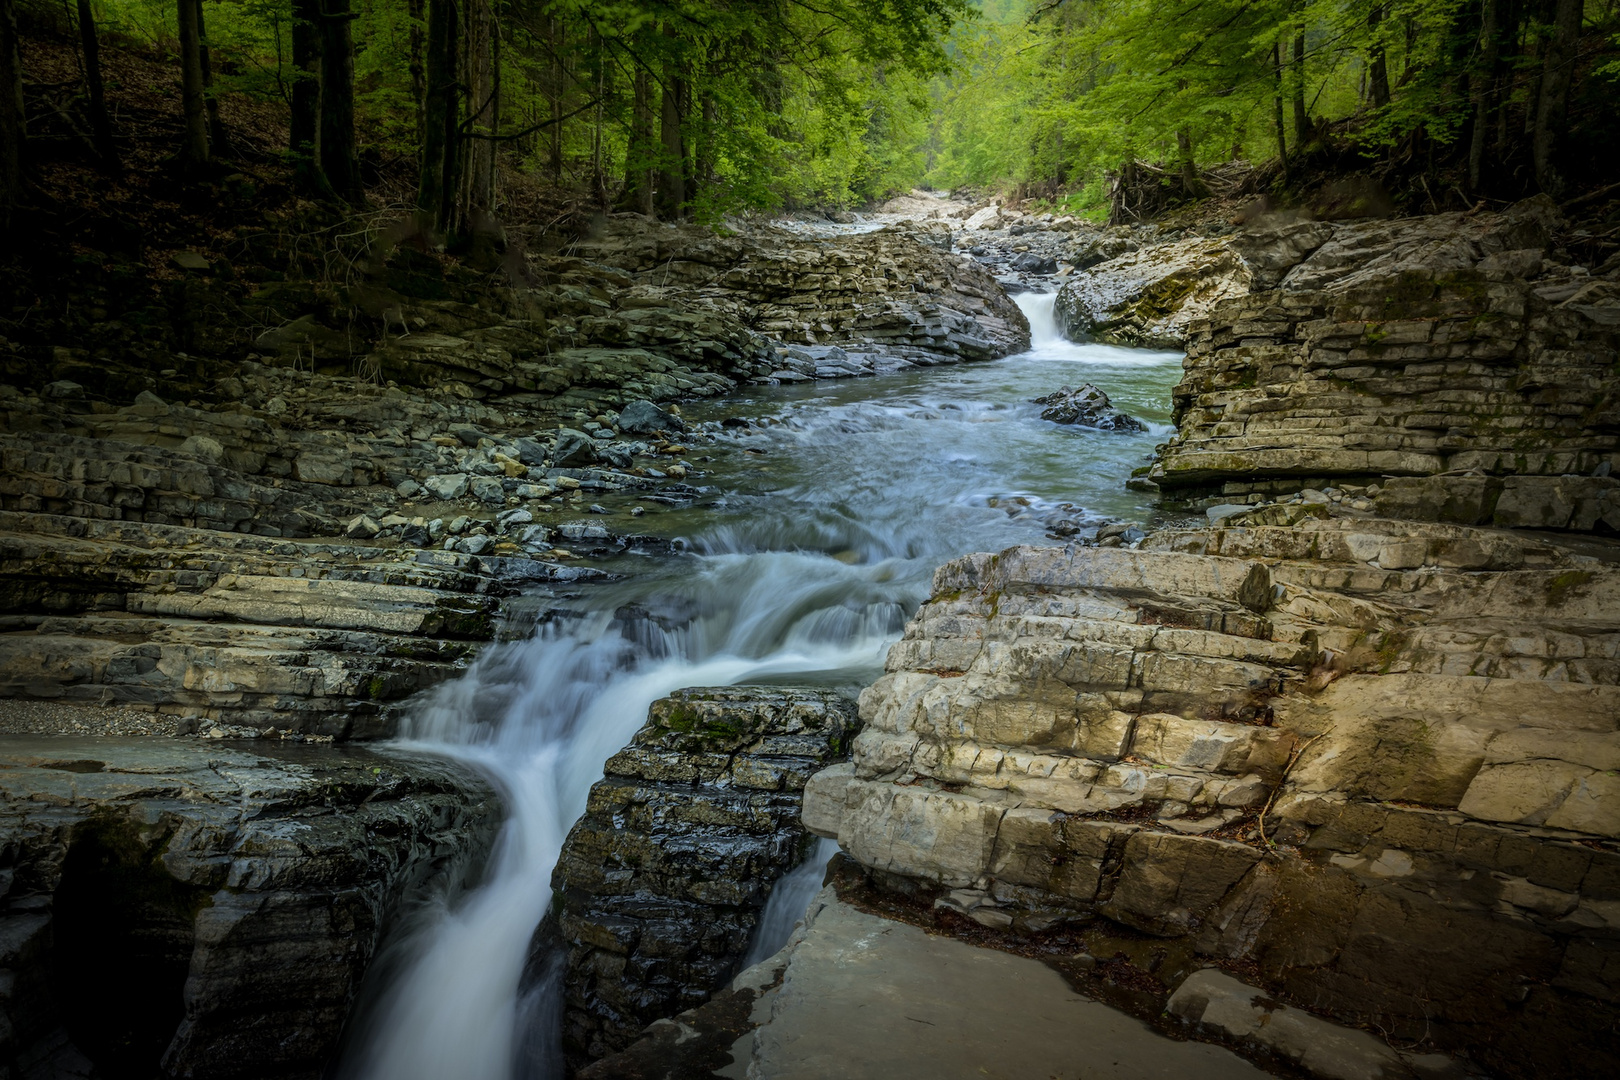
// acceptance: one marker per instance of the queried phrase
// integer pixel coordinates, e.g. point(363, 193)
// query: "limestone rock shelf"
point(208, 909)
point(1422, 718)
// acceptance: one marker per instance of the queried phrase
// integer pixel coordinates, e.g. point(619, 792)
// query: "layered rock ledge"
point(660, 885)
point(208, 909)
point(1372, 761)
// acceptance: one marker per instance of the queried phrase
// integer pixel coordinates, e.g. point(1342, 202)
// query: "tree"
point(1557, 71)
point(194, 142)
point(305, 95)
point(219, 140)
point(13, 132)
point(338, 158)
point(100, 123)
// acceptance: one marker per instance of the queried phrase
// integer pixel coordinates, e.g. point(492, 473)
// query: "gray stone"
point(488, 490)
point(362, 528)
point(573, 449)
point(1215, 1002)
point(447, 486)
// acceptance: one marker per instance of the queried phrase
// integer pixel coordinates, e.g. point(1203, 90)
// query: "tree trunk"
point(418, 73)
point(1190, 183)
point(1277, 109)
point(100, 122)
point(638, 156)
point(12, 128)
point(672, 159)
point(475, 192)
point(1484, 87)
point(194, 141)
point(555, 90)
point(1377, 69)
point(217, 137)
point(442, 114)
point(338, 158)
point(1557, 72)
point(304, 125)
point(1302, 122)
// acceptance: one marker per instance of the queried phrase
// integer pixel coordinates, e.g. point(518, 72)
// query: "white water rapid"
point(803, 569)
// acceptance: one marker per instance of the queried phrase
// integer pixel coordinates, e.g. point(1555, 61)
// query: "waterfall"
point(788, 902)
point(1038, 308)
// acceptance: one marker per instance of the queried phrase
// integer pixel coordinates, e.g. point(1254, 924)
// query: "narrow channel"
point(840, 499)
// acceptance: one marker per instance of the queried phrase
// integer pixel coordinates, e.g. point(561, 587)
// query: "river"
point(840, 499)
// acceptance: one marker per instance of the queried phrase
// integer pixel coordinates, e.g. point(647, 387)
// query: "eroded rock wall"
point(660, 885)
point(1373, 759)
point(205, 910)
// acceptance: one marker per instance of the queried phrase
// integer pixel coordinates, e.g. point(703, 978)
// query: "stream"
point(840, 500)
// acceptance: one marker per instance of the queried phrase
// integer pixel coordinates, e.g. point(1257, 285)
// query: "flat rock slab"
point(866, 997)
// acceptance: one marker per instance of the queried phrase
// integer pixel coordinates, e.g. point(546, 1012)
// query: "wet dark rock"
point(1088, 407)
point(644, 418)
point(191, 908)
point(661, 883)
point(574, 449)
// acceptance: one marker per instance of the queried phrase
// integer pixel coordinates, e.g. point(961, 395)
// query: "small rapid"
point(835, 506)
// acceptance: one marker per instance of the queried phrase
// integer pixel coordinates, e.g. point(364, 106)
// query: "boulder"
point(574, 449)
point(447, 486)
point(642, 417)
point(1088, 407)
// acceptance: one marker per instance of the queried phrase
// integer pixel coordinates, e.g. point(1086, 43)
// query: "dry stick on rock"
point(1293, 759)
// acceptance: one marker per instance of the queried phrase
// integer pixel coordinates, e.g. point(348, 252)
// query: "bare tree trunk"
point(339, 160)
point(194, 142)
point(217, 136)
point(638, 180)
point(442, 116)
point(1377, 68)
point(304, 126)
point(12, 128)
point(1302, 121)
point(474, 190)
point(100, 122)
point(1557, 72)
point(1485, 81)
point(1277, 109)
point(672, 166)
point(418, 73)
point(1190, 183)
point(555, 90)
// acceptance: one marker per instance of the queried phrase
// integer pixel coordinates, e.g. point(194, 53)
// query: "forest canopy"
point(679, 108)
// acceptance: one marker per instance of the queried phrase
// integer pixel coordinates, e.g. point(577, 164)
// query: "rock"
point(467, 434)
point(63, 388)
point(509, 519)
point(408, 489)
point(531, 452)
point(1217, 1003)
point(362, 528)
point(574, 449)
point(1101, 248)
point(663, 879)
point(146, 397)
point(190, 260)
point(1087, 406)
point(1095, 731)
point(315, 467)
point(475, 544)
point(204, 447)
point(447, 486)
point(267, 877)
point(1032, 263)
point(488, 490)
point(855, 995)
point(644, 418)
point(1151, 296)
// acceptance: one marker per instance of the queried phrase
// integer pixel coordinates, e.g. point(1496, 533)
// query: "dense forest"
point(696, 109)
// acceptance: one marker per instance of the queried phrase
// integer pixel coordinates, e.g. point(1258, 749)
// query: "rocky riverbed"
point(1339, 744)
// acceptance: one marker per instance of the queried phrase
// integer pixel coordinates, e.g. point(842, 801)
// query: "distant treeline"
point(1496, 98)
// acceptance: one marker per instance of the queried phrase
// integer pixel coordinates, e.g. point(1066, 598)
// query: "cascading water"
point(804, 570)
